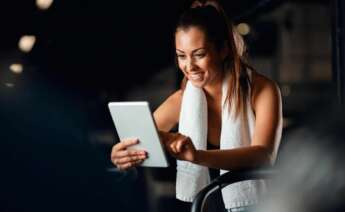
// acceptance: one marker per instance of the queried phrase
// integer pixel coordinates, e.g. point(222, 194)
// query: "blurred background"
point(61, 62)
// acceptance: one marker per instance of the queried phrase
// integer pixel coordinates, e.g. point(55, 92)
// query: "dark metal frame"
point(227, 179)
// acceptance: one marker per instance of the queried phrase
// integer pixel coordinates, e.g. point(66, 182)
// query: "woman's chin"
point(197, 83)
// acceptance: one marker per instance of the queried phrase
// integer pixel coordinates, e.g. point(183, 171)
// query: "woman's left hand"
point(179, 146)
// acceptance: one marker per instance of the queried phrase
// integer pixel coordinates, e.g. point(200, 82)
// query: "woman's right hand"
point(124, 158)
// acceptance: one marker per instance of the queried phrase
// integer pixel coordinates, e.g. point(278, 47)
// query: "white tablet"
point(134, 120)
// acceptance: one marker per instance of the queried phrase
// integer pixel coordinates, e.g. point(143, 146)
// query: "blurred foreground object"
point(312, 173)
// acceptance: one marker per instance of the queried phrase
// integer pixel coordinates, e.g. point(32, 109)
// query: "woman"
point(229, 115)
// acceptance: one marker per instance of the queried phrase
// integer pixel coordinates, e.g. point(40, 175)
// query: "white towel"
point(191, 178)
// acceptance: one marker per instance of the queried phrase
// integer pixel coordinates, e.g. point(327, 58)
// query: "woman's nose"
point(189, 66)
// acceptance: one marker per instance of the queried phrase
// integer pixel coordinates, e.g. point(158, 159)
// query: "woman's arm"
point(266, 102)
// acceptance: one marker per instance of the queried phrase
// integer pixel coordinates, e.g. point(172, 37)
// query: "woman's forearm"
point(244, 157)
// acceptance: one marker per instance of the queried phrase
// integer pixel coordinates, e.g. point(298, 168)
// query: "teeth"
point(195, 76)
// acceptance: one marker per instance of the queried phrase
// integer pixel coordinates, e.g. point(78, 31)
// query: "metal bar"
point(227, 179)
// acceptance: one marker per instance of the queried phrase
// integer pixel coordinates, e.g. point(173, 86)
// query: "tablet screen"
point(134, 120)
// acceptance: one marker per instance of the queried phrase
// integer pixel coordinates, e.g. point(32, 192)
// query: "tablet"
point(134, 120)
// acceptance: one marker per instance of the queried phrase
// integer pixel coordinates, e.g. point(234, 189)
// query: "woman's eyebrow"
point(201, 48)
point(195, 50)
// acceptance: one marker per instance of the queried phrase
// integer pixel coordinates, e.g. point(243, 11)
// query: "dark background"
point(87, 53)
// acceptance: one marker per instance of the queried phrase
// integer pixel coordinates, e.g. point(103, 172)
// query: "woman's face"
point(197, 58)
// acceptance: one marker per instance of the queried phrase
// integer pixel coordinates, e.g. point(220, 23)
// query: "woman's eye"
point(179, 56)
point(200, 55)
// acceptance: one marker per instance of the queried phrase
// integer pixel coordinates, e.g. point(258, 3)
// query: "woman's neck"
point(213, 90)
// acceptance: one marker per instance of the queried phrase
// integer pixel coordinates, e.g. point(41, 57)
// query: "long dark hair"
point(219, 30)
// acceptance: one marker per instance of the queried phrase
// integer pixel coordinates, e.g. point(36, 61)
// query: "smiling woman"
point(229, 115)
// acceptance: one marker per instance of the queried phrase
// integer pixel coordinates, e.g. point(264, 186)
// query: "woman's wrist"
point(198, 156)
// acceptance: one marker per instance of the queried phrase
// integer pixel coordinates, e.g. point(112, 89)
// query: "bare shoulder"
point(176, 97)
point(264, 90)
point(168, 113)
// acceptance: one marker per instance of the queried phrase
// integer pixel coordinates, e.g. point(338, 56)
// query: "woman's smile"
point(196, 76)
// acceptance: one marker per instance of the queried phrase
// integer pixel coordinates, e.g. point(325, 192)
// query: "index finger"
point(181, 144)
point(126, 143)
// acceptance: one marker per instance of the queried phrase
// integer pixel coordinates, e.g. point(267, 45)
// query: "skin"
point(201, 63)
